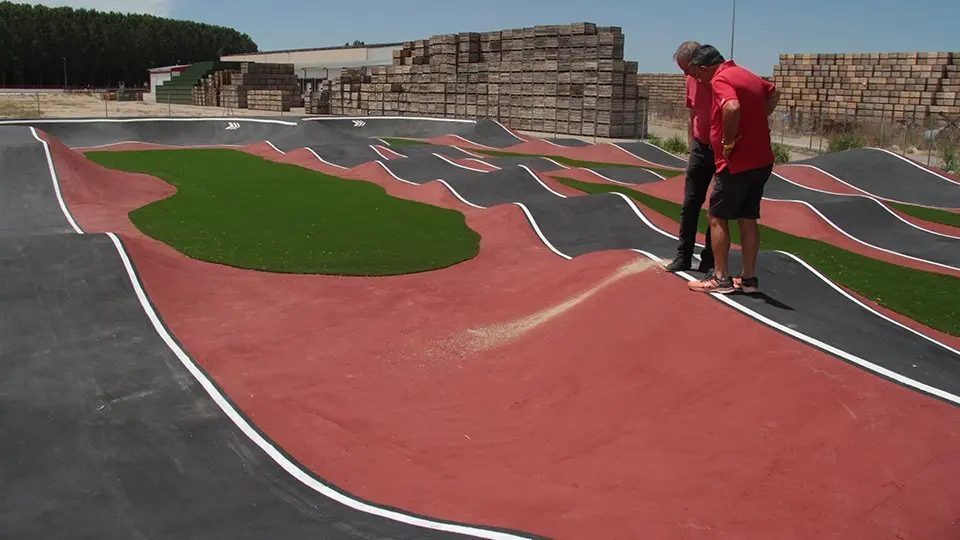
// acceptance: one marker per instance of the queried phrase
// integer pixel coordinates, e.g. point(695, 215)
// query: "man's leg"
point(724, 203)
point(721, 245)
point(694, 193)
point(749, 230)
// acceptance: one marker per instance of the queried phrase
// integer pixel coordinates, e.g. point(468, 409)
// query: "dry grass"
point(77, 105)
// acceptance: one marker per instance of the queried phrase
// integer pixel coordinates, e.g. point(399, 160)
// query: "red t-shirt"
point(753, 150)
point(700, 99)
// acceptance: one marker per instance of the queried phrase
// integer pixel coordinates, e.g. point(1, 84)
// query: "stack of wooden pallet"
point(569, 79)
point(269, 85)
point(318, 102)
point(871, 85)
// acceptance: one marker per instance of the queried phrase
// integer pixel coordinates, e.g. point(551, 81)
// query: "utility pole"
point(733, 27)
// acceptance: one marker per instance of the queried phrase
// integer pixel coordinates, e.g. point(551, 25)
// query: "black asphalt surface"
point(426, 168)
point(346, 155)
point(568, 142)
point(485, 132)
point(627, 175)
point(286, 133)
point(791, 295)
point(887, 176)
point(177, 132)
point(652, 153)
point(28, 200)
point(415, 150)
point(106, 433)
point(538, 164)
point(867, 220)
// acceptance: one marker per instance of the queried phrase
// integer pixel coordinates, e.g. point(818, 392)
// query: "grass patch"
point(393, 141)
point(929, 214)
point(241, 210)
point(674, 144)
point(929, 298)
point(577, 163)
point(11, 108)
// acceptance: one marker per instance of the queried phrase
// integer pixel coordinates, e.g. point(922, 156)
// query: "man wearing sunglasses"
point(700, 165)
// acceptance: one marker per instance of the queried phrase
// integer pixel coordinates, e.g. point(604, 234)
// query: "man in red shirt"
point(740, 135)
point(700, 165)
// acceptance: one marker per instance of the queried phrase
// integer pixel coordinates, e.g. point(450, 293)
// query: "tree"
point(39, 45)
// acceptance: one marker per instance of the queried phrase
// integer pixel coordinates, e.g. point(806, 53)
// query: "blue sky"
point(652, 29)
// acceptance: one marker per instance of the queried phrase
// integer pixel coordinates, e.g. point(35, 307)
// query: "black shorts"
point(738, 196)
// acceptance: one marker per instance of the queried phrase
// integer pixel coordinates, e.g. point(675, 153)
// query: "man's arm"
point(726, 96)
point(731, 121)
point(772, 101)
point(690, 129)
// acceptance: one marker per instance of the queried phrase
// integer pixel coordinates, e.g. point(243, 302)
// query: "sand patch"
point(483, 338)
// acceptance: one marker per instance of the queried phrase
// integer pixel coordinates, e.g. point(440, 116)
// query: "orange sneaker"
point(713, 284)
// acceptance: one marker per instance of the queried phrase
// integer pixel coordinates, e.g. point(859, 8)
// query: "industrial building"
point(315, 65)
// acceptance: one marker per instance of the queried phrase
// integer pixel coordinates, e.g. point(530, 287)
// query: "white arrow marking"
point(359, 123)
point(233, 126)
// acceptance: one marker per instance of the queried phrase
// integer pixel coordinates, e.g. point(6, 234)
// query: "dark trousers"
point(700, 171)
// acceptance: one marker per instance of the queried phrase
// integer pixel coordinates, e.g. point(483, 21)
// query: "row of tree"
point(44, 46)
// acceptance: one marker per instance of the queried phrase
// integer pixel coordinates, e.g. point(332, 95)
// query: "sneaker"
point(678, 264)
point(712, 284)
point(748, 286)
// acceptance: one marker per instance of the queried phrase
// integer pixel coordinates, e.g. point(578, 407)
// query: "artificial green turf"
point(929, 214)
point(241, 210)
point(577, 163)
point(929, 298)
point(393, 141)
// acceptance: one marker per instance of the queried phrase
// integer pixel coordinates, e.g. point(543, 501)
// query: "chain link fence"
point(932, 138)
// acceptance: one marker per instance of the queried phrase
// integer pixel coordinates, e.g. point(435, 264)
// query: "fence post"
point(882, 126)
point(820, 119)
point(38, 105)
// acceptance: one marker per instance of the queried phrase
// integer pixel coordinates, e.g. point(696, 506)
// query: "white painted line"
point(471, 142)
point(561, 165)
point(455, 164)
point(655, 147)
point(509, 132)
point(405, 118)
point(488, 164)
point(467, 152)
point(647, 161)
point(539, 181)
point(457, 195)
point(536, 229)
point(148, 119)
point(56, 182)
point(608, 179)
point(830, 348)
point(266, 446)
point(869, 198)
point(163, 145)
point(382, 164)
point(865, 193)
point(274, 147)
point(377, 150)
point(325, 161)
point(384, 142)
point(915, 164)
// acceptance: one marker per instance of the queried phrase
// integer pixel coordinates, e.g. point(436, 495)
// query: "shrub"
point(845, 141)
point(781, 154)
point(675, 145)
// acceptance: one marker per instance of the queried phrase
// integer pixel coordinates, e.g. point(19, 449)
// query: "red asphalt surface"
point(603, 422)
